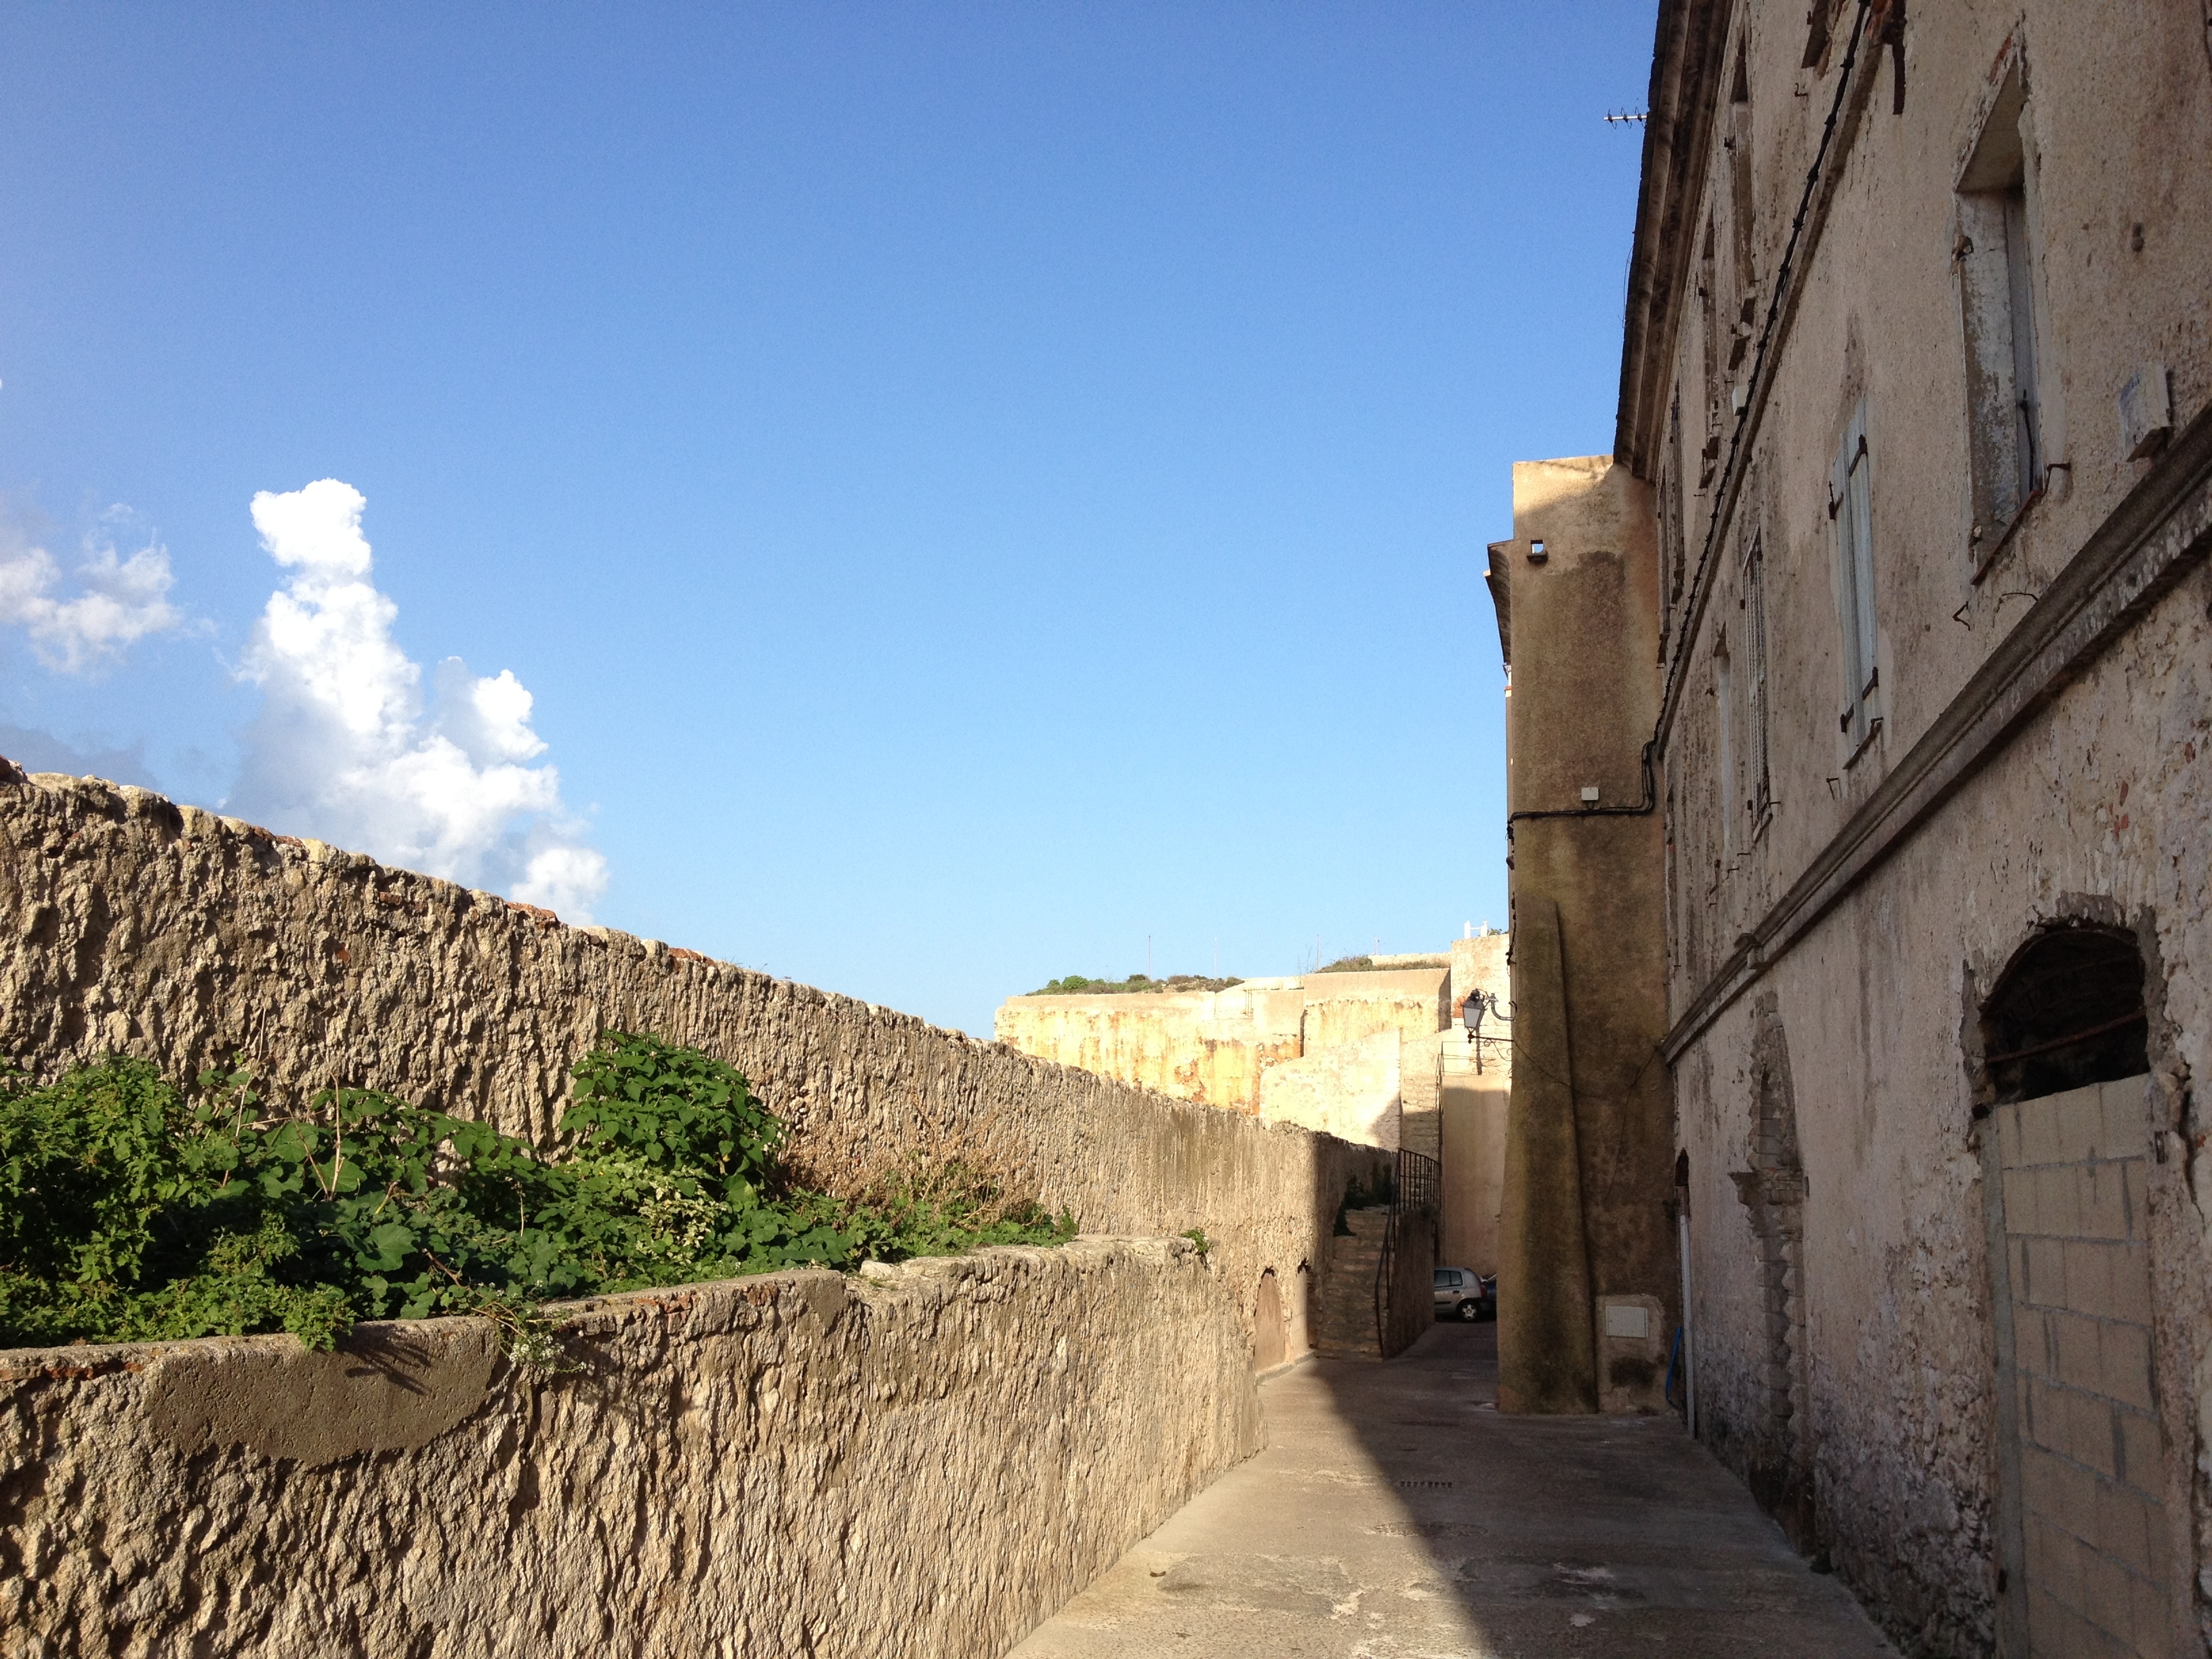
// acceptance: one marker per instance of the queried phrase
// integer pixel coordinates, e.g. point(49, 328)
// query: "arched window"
point(2067, 1012)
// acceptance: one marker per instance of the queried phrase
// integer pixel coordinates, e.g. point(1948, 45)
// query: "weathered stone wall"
point(1343, 1008)
point(1351, 1091)
point(131, 924)
point(1473, 1122)
point(1844, 1305)
point(1583, 566)
point(925, 1462)
point(1478, 963)
point(2102, 811)
point(1217, 1048)
point(1211, 1047)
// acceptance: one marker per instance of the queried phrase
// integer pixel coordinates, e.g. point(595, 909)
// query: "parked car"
point(1462, 1293)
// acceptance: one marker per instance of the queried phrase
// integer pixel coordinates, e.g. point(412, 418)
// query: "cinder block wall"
point(927, 1464)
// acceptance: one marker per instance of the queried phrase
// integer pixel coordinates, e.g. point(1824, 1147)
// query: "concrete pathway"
point(1396, 1514)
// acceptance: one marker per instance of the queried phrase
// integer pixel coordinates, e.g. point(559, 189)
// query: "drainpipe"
point(1689, 1347)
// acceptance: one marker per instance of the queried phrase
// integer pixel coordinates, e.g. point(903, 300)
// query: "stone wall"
point(1211, 1047)
point(1478, 963)
point(1584, 1214)
point(1218, 1048)
point(782, 1465)
point(1472, 1119)
point(1860, 1031)
point(131, 925)
point(1341, 1008)
point(1351, 1091)
point(1844, 898)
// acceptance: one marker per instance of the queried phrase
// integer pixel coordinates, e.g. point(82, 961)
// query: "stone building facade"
point(1916, 420)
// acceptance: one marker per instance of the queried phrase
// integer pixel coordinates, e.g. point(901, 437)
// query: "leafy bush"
point(128, 1214)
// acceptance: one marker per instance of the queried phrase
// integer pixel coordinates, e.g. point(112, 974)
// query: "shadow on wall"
point(1270, 1336)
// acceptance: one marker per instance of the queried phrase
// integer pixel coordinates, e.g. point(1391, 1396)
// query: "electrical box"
point(1628, 1318)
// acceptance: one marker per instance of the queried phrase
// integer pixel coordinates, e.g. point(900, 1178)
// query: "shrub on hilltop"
point(1077, 985)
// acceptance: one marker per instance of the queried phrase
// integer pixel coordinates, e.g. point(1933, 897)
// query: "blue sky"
point(966, 489)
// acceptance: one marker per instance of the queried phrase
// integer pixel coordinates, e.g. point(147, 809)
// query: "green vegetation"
point(129, 1212)
point(1369, 965)
point(1197, 1235)
point(1076, 985)
point(1358, 1196)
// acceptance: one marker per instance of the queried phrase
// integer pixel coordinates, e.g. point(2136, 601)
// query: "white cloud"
point(118, 601)
point(344, 749)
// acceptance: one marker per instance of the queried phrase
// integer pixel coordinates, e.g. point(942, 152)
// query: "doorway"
point(2083, 1529)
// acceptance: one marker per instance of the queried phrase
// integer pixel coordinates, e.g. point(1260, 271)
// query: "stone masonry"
point(923, 1462)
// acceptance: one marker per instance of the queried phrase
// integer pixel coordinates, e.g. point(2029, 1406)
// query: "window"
point(1724, 694)
point(1709, 335)
point(1995, 252)
point(1673, 550)
point(1850, 503)
point(1741, 226)
point(1755, 696)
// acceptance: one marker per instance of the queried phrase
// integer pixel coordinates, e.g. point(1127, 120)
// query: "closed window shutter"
point(1862, 558)
point(1755, 642)
point(1851, 496)
point(1847, 598)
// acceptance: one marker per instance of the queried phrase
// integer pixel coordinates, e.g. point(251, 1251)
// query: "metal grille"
point(1414, 1196)
point(1420, 1183)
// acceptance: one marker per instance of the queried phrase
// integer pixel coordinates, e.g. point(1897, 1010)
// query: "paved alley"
point(1396, 1513)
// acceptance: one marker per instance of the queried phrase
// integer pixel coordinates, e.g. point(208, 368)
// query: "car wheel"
point(1469, 1311)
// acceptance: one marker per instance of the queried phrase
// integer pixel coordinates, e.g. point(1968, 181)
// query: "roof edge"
point(1686, 67)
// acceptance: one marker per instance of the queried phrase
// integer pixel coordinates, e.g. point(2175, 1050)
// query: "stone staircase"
point(1347, 1297)
point(1420, 1091)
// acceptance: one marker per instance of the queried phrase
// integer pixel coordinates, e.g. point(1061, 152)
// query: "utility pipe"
point(1689, 1347)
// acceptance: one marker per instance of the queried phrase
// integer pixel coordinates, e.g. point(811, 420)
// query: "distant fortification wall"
point(1209, 1047)
point(1219, 1048)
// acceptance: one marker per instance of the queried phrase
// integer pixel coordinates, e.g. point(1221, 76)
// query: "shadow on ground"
point(1396, 1512)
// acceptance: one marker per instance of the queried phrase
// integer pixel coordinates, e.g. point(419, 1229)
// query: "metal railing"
point(1415, 1194)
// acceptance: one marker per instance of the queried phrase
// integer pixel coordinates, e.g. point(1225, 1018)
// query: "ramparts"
point(799, 1463)
point(925, 1462)
point(135, 925)
point(1219, 1048)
